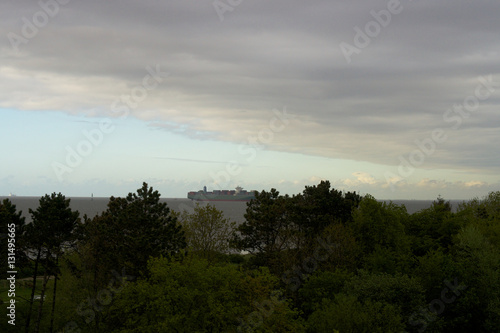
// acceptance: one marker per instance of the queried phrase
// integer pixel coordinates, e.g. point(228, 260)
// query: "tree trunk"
point(54, 295)
point(42, 296)
point(27, 327)
point(96, 318)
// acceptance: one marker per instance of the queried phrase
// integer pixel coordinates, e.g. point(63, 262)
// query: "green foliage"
point(325, 294)
point(433, 228)
point(380, 225)
point(119, 242)
point(50, 233)
point(386, 260)
point(432, 269)
point(358, 265)
point(322, 285)
point(402, 291)
point(267, 227)
point(53, 222)
point(319, 206)
point(11, 220)
point(268, 230)
point(347, 314)
point(207, 231)
point(487, 208)
point(193, 296)
point(485, 215)
point(235, 258)
point(480, 272)
point(283, 231)
point(343, 250)
point(130, 231)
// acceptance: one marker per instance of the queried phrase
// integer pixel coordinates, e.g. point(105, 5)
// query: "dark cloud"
point(267, 55)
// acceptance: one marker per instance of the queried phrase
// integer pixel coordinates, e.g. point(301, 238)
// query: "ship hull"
point(222, 195)
point(201, 197)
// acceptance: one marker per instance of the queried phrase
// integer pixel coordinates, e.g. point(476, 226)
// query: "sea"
point(233, 210)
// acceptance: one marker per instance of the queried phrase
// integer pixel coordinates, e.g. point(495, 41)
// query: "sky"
point(397, 99)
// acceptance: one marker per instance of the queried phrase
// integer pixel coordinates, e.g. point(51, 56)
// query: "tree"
point(484, 214)
point(322, 285)
point(379, 223)
point(268, 229)
point(320, 214)
point(432, 228)
point(207, 231)
point(379, 229)
point(119, 242)
point(319, 206)
point(11, 220)
point(12, 243)
point(342, 249)
point(47, 236)
point(477, 305)
point(94, 265)
point(348, 314)
point(326, 294)
point(194, 296)
point(463, 283)
point(402, 291)
point(132, 230)
point(282, 231)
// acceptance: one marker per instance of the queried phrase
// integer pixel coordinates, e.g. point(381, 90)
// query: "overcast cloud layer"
point(230, 66)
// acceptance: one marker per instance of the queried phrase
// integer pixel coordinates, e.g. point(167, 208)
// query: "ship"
point(239, 194)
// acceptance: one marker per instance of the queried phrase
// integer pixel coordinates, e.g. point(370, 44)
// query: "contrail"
point(204, 161)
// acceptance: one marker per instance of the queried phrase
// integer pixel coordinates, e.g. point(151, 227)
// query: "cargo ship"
point(239, 194)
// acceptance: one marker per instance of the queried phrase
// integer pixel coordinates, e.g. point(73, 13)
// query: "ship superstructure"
point(238, 194)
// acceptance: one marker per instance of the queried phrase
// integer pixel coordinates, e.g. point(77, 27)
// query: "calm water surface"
point(233, 210)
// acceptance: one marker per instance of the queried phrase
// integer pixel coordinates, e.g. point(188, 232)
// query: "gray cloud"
point(231, 74)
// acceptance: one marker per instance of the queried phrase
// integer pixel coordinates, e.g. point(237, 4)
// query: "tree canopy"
point(132, 230)
point(317, 261)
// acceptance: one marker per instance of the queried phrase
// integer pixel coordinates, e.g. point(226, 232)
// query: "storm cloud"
point(229, 67)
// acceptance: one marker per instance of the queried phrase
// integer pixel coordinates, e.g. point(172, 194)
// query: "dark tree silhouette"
point(47, 236)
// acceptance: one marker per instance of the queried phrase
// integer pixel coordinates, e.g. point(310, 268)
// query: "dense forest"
point(318, 261)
